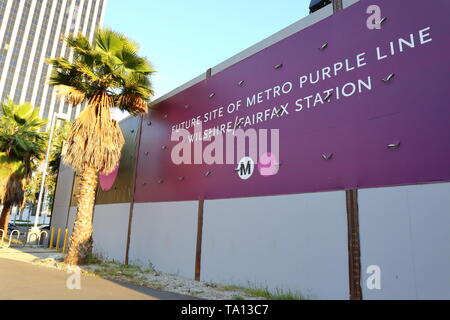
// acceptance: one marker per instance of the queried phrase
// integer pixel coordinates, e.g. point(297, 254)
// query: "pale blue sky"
point(183, 38)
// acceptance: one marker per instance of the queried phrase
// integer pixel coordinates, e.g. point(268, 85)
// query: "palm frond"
point(133, 103)
point(72, 94)
point(80, 44)
point(95, 139)
point(109, 41)
point(22, 146)
point(109, 73)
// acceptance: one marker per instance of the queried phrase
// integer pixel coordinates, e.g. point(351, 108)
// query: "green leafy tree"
point(59, 138)
point(33, 187)
point(109, 73)
point(22, 146)
point(32, 190)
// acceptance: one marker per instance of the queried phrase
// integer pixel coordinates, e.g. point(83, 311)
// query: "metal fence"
point(35, 239)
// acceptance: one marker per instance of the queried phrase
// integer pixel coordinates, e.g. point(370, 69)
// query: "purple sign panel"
point(341, 104)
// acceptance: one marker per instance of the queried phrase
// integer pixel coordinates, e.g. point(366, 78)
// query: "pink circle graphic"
point(107, 180)
point(268, 164)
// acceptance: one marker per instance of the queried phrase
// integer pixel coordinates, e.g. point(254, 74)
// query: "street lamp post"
point(55, 117)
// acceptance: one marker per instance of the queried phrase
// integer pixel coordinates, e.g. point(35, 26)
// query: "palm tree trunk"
point(81, 239)
point(4, 219)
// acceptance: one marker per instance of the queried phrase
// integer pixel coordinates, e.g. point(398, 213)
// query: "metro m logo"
point(239, 144)
point(245, 168)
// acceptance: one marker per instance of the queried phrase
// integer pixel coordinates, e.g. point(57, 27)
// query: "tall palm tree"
point(109, 73)
point(22, 146)
point(33, 187)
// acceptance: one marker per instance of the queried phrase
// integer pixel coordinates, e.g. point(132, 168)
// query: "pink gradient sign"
point(355, 108)
point(107, 181)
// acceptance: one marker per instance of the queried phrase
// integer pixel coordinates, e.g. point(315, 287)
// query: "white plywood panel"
point(110, 230)
point(296, 242)
point(164, 234)
point(62, 197)
point(405, 231)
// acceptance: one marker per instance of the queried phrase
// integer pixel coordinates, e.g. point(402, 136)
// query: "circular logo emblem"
point(245, 168)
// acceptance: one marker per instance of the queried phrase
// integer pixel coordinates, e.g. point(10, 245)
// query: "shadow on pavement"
point(21, 279)
point(162, 295)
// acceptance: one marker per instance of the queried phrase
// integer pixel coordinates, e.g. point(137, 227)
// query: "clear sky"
point(183, 38)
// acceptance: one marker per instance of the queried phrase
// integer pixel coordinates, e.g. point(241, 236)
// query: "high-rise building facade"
point(32, 31)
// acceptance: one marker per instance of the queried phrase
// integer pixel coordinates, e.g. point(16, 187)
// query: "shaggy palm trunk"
point(81, 239)
point(4, 219)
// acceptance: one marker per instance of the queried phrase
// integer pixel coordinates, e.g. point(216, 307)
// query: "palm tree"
point(22, 146)
point(33, 187)
point(60, 136)
point(109, 73)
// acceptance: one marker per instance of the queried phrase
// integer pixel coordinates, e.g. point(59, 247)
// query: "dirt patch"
point(153, 279)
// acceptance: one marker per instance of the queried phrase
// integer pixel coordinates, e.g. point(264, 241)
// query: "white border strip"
point(37, 83)
point(33, 51)
point(22, 48)
point(64, 51)
point(5, 21)
point(86, 18)
point(52, 55)
point(94, 21)
point(102, 17)
point(12, 45)
point(77, 26)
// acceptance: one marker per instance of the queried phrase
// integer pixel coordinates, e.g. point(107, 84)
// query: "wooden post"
point(58, 239)
point(354, 250)
point(201, 205)
point(52, 235)
point(337, 5)
point(198, 253)
point(130, 214)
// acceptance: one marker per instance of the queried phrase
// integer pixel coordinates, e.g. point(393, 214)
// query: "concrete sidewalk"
point(26, 254)
point(19, 279)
